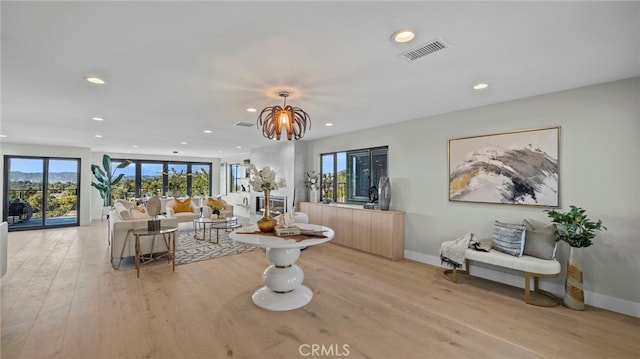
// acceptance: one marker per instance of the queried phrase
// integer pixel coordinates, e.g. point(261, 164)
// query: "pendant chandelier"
point(275, 119)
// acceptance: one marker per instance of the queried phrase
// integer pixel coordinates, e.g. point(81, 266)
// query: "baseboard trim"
point(594, 299)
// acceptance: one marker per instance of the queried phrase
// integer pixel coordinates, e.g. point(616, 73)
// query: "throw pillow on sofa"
point(182, 206)
point(136, 213)
point(509, 238)
point(216, 203)
point(122, 211)
point(540, 242)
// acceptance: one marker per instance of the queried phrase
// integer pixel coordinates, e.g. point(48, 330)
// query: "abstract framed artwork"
point(518, 167)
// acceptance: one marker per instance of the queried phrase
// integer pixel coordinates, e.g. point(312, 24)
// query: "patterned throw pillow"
point(541, 242)
point(182, 206)
point(509, 238)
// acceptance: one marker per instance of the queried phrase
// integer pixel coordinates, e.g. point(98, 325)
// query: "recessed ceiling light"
point(251, 109)
point(219, 151)
point(3, 136)
point(207, 131)
point(183, 142)
point(135, 146)
point(402, 36)
point(97, 118)
point(98, 136)
point(238, 147)
point(480, 86)
point(95, 80)
point(328, 124)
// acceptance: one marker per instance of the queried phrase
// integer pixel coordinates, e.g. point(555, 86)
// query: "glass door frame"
point(45, 191)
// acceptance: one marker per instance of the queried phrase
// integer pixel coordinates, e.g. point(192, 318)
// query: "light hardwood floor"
point(62, 299)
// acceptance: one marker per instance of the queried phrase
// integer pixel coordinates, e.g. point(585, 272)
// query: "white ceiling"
point(175, 69)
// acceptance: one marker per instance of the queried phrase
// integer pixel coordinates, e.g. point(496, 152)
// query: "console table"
point(369, 230)
point(283, 289)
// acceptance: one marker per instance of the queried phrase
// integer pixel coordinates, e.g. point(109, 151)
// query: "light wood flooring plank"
point(62, 299)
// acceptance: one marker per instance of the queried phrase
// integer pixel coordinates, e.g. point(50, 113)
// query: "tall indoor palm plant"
point(105, 180)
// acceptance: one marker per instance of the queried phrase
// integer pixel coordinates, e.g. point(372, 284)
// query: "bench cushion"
point(524, 263)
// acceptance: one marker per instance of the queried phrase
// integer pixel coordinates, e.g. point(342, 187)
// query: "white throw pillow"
point(540, 242)
point(122, 211)
point(135, 214)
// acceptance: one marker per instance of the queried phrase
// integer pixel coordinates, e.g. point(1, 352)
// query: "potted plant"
point(575, 228)
point(311, 182)
point(327, 186)
point(105, 180)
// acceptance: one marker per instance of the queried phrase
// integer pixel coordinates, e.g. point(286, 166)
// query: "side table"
point(283, 289)
point(169, 237)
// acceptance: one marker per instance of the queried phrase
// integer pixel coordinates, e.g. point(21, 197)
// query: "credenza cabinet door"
point(344, 220)
point(361, 223)
point(387, 232)
point(313, 210)
point(329, 220)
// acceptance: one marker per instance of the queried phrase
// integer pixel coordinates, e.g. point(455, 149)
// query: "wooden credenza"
point(372, 231)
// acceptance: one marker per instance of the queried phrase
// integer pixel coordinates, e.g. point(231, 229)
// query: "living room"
point(598, 170)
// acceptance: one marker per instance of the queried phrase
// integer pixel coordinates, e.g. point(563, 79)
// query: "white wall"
point(599, 171)
point(72, 152)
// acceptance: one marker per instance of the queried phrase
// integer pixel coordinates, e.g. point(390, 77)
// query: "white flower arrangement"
point(312, 180)
point(264, 179)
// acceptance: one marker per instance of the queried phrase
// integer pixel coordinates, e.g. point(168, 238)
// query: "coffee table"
point(283, 289)
point(229, 225)
point(201, 224)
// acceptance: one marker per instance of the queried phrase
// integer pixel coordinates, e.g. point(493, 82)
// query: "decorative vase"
point(574, 295)
point(384, 193)
point(153, 225)
point(266, 224)
point(314, 195)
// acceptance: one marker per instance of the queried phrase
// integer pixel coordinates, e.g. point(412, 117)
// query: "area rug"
point(189, 249)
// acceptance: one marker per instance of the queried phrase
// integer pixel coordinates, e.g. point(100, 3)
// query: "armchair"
point(177, 210)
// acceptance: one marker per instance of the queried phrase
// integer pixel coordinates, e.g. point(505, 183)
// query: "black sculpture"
point(373, 194)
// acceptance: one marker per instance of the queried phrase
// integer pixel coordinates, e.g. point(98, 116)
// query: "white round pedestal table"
point(283, 289)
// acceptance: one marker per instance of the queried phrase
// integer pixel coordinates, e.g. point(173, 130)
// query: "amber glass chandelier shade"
point(275, 120)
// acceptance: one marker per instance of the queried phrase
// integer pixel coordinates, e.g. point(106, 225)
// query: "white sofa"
point(123, 242)
point(227, 211)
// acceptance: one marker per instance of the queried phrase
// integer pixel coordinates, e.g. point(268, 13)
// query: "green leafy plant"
point(327, 186)
point(574, 227)
point(105, 180)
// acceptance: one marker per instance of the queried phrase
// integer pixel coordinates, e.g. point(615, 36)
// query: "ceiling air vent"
point(425, 49)
point(244, 124)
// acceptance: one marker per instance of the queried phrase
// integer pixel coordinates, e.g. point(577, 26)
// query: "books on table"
point(290, 231)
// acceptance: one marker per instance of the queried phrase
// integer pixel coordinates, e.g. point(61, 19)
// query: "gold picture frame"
point(516, 167)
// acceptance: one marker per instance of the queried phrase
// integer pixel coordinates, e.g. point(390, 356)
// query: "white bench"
point(531, 266)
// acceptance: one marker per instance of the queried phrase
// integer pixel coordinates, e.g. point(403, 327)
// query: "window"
point(348, 176)
point(236, 174)
point(151, 178)
point(41, 192)
point(200, 175)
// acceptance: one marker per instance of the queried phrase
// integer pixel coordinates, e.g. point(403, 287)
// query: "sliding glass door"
point(41, 192)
